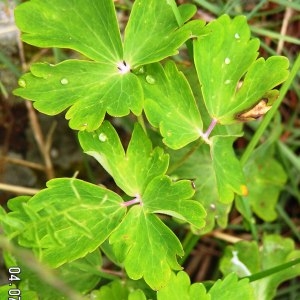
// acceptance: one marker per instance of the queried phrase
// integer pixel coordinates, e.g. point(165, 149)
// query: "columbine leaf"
point(140, 173)
point(232, 288)
point(228, 170)
point(62, 231)
point(152, 32)
point(148, 247)
point(106, 85)
point(186, 11)
point(92, 88)
point(91, 29)
point(170, 105)
point(131, 171)
point(265, 179)
point(180, 288)
point(223, 55)
point(175, 202)
point(117, 290)
point(249, 257)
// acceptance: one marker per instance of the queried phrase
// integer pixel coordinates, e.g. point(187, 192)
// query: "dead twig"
point(287, 16)
point(19, 190)
point(225, 237)
point(44, 146)
point(23, 162)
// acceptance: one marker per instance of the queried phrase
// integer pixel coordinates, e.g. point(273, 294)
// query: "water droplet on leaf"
point(102, 137)
point(64, 81)
point(228, 81)
point(237, 36)
point(227, 61)
point(150, 79)
point(22, 83)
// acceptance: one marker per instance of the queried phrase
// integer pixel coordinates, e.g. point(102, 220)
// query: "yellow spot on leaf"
point(244, 190)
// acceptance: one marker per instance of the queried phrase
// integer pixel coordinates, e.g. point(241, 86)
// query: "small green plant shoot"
point(179, 169)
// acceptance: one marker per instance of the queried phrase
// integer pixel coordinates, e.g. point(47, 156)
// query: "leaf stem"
point(210, 128)
point(136, 200)
point(271, 271)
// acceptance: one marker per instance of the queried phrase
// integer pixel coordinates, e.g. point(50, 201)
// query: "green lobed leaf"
point(265, 179)
point(232, 288)
point(106, 85)
point(180, 288)
point(153, 33)
point(176, 200)
point(170, 105)
point(147, 247)
point(137, 295)
point(225, 58)
point(90, 88)
point(246, 258)
point(62, 231)
point(132, 170)
point(186, 11)
point(228, 170)
point(117, 290)
point(140, 173)
point(89, 29)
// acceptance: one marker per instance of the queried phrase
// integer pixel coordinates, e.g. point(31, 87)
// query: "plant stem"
point(272, 271)
point(210, 128)
point(136, 200)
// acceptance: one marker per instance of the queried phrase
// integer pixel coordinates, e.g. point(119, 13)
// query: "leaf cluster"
point(67, 223)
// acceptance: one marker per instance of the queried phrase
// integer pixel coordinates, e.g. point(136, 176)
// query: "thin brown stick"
point(23, 162)
point(287, 16)
point(40, 140)
point(49, 137)
point(225, 237)
point(19, 190)
point(35, 125)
